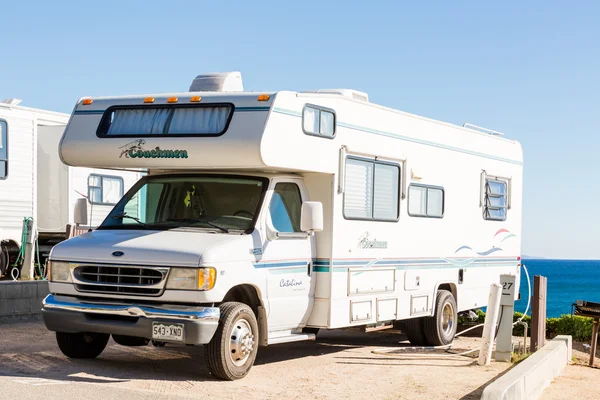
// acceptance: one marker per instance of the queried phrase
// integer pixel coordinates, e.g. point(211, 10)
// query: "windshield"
point(224, 204)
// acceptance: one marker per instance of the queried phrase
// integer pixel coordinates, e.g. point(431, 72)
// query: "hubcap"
point(241, 343)
point(447, 319)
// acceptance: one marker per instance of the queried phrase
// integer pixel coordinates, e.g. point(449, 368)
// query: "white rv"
point(265, 217)
point(35, 184)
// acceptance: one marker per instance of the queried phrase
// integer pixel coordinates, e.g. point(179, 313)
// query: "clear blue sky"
point(530, 69)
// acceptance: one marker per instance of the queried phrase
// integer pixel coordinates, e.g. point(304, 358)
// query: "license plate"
point(161, 331)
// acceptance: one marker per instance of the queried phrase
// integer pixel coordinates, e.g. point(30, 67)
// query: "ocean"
point(568, 281)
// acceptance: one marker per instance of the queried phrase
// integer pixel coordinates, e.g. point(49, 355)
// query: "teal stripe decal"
point(405, 138)
point(252, 108)
point(89, 111)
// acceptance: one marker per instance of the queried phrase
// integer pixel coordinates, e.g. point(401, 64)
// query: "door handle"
point(309, 268)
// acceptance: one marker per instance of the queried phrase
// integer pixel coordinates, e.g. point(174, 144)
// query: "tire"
point(227, 355)
point(81, 345)
point(130, 340)
point(441, 328)
point(414, 331)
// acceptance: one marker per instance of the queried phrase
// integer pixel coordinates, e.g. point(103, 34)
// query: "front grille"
point(120, 279)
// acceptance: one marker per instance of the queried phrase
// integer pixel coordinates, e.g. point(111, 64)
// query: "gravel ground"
point(578, 381)
point(339, 365)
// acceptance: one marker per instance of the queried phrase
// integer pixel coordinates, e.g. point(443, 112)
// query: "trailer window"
point(285, 207)
point(3, 149)
point(103, 189)
point(175, 120)
point(425, 201)
point(318, 121)
point(371, 190)
point(495, 204)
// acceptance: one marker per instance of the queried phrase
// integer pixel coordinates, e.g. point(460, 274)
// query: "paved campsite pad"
point(338, 365)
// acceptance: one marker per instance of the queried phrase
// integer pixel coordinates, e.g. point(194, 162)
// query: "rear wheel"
point(414, 331)
point(81, 345)
point(441, 328)
point(231, 352)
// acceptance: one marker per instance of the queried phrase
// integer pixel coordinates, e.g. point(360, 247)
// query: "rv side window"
point(103, 189)
point(318, 121)
point(425, 201)
point(495, 195)
point(371, 190)
point(3, 149)
point(285, 207)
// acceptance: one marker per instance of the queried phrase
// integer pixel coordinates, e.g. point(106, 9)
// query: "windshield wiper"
point(124, 215)
point(211, 224)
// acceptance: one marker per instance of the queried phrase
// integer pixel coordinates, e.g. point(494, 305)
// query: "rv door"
point(289, 252)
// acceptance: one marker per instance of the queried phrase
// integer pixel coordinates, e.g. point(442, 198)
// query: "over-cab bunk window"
point(172, 120)
point(3, 149)
point(495, 199)
point(371, 190)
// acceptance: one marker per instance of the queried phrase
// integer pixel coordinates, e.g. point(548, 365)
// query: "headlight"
point(59, 271)
point(191, 278)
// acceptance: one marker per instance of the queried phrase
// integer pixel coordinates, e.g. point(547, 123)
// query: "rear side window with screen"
point(180, 120)
point(318, 121)
point(496, 199)
point(371, 190)
point(3, 149)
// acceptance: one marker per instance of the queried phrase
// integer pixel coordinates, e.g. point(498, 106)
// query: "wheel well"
point(246, 294)
point(250, 296)
point(451, 287)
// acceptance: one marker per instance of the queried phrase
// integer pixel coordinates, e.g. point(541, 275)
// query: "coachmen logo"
point(136, 149)
point(365, 242)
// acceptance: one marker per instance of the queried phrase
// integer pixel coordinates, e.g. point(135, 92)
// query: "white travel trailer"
point(267, 216)
point(35, 184)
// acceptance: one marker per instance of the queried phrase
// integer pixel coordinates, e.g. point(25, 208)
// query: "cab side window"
point(285, 207)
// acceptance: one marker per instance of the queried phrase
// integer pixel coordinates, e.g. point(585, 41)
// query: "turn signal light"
point(87, 102)
point(149, 100)
point(263, 97)
point(195, 99)
point(206, 278)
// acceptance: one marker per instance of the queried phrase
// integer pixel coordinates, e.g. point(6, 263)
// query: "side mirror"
point(311, 216)
point(80, 213)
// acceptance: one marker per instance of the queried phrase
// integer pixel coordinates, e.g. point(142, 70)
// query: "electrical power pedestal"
point(504, 346)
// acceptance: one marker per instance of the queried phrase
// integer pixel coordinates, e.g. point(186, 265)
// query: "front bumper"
point(71, 314)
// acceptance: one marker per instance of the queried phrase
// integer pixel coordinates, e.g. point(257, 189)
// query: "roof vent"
point(218, 82)
point(353, 94)
point(11, 102)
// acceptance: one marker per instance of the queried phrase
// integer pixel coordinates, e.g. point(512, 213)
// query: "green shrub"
point(580, 328)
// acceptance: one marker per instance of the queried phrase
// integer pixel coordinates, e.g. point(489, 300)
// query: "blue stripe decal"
point(405, 138)
point(280, 264)
point(324, 265)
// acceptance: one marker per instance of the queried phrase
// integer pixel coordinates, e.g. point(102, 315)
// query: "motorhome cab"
point(265, 217)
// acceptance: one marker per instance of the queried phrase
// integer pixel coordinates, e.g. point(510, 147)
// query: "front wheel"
point(231, 352)
point(441, 328)
point(81, 345)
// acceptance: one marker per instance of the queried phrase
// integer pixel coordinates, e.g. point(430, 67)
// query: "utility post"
point(504, 346)
point(27, 269)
